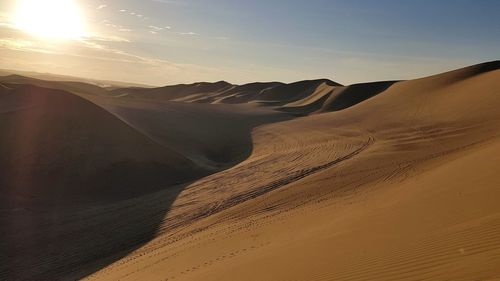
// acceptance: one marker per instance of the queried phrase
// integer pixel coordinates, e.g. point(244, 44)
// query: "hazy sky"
point(175, 41)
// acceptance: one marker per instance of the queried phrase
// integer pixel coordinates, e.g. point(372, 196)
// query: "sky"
point(160, 42)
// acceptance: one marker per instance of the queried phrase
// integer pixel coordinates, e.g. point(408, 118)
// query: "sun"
point(50, 19)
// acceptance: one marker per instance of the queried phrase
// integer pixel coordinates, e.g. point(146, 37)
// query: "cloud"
point(102, 6)
point(132, 13)
point(174, 2)
point(187, 33)
point(92, 57)
point(89, 47)
point(117, 27)
point(156, 28)
point(108, 38)
point(25, 46)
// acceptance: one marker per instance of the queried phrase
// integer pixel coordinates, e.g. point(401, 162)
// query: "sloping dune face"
point(375, 181)
point(345, 97)
point(213, 136)
point(52, 140)
point(401, 186)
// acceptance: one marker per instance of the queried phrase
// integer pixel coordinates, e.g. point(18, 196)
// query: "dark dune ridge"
point(264, 93)
point(53, 139)
point(345, 97)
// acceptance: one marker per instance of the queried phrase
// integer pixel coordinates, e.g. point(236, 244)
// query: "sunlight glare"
point(50, 19)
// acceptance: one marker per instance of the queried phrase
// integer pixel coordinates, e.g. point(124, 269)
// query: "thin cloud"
point(187, 33)
point(102, 6)
point(107, 38)
point(171, 2)
point(22, 48)
point(156, 28)
point(24, 45)
point(132, 13)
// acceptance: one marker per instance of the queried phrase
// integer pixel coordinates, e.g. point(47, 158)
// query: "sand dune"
point(377, 181)
point(174, 92)
point(345, 97)
point(56, 144)
point(271, 93)
point(63, 156)
point(289, 93)
point(74, 87)
point(246, 93)
point(213, 136)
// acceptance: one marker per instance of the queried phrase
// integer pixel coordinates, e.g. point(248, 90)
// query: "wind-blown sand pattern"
point(312, 180)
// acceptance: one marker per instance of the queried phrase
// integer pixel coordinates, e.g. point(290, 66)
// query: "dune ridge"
point(53, 139)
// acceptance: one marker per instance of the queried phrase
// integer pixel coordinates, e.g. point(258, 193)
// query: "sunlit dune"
point(310, 180)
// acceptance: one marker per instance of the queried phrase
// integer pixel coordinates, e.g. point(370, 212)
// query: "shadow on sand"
point(62, 238)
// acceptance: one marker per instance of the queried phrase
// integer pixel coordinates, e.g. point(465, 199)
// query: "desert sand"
point(313, 180)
